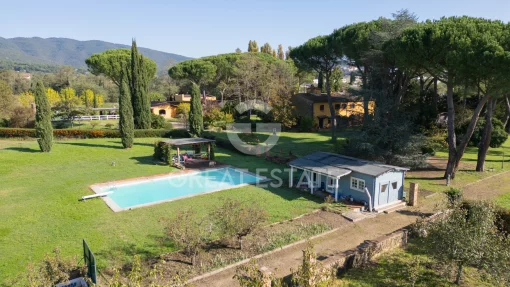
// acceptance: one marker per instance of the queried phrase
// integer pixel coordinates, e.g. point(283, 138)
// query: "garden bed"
point(220, 253)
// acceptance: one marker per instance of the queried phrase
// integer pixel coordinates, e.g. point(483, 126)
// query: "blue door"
point(384, 193)
point(394, 188)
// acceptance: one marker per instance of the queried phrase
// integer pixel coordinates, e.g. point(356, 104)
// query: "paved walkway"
point(353, 234)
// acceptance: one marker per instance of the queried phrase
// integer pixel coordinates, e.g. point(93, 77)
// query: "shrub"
point(236, 219)
point(163, 152)
point(312, 273)
point(141, 277)
point(498, 135)
point(188, 233)
point(4, 123)
point(53, 270)
point(250, 275)
point(305, 124)
point(108, 126)
point(22, 117)
point(217, 118)
point(454, 196)
point(157, 122)
point(94, 124)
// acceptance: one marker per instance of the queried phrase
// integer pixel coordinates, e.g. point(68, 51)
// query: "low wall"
point(366, 252)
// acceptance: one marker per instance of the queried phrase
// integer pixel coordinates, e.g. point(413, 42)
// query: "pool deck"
point(98, 187)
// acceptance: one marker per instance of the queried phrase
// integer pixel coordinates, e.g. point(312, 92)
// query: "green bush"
point(163, 152)
point(4, 123)
point(305, 124)
point(498, 135)
point(157, 122)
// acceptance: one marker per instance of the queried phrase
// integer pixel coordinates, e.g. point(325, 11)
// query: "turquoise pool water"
point(166, 188)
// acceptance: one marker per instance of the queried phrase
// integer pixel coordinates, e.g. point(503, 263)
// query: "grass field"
point(40, 208)
point(494, 164)
point(393, 270)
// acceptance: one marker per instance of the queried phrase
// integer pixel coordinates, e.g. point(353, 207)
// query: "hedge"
point(84, 134)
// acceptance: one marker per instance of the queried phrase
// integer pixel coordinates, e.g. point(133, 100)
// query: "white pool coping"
point(98, 187)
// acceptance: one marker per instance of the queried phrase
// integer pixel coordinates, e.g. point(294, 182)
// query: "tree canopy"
point(110, 63)
point(197, 71)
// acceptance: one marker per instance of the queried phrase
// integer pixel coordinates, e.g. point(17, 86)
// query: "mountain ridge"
point(66, 51)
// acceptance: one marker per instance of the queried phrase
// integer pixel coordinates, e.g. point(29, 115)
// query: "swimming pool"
point(153, 190)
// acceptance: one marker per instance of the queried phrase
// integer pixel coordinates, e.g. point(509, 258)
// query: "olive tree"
point(467, 235)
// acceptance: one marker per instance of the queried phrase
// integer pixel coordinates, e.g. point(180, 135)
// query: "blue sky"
point(201, 28)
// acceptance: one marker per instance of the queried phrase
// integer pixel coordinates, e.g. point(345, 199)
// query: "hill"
point(15, 52)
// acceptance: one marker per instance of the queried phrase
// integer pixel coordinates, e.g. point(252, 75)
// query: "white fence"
point(96, 118)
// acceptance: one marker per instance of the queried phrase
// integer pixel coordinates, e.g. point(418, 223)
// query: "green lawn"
point(300, 144)
point(393, 270)
point(467, 175)
point(40, 209)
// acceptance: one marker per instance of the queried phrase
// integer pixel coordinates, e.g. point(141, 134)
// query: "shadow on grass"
point(23, 149)
point(147, 160)
point(150, 249)
point(93, 145)
point(138, 144)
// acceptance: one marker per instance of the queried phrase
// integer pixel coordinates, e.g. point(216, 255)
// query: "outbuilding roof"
point(337, 165)
point(187, 141)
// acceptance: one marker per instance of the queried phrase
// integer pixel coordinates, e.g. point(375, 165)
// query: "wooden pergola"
point(178, 143)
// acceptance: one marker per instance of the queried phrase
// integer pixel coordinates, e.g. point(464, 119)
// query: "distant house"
point(317, 107)
point(377, 185)
point(187, 98)
point(165, 109)
point(26, 76)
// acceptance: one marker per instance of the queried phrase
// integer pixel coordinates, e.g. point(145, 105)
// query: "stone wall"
point(367, 251)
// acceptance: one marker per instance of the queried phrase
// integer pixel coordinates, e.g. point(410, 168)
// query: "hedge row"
point(84, 134)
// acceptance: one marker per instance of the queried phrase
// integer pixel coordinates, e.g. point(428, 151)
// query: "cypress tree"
point(43, 127)
point(95, 104)
point(133, 85)
point(196, 122)
point(143, 90)
point(126, 123)
point(138, 88)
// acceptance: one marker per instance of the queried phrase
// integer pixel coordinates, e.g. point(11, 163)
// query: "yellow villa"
point(167, 110)
point(316, 106)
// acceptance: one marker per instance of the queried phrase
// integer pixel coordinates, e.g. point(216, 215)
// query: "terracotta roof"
point(158, 104)
point(336, 97)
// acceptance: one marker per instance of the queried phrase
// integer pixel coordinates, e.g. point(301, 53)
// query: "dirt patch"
point(222, 253)
point(488, 188)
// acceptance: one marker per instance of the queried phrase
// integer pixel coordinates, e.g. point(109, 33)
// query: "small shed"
point(378, 185)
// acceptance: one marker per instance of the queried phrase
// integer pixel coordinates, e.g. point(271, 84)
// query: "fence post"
point(413, 194)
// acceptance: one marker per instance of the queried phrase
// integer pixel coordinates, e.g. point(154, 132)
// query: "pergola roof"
point(187, 141)
point(336, 165)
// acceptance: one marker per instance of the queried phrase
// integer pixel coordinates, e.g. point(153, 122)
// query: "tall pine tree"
point(126, 122)
point(43, 127)
point(138, 88)
point(196, 122)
